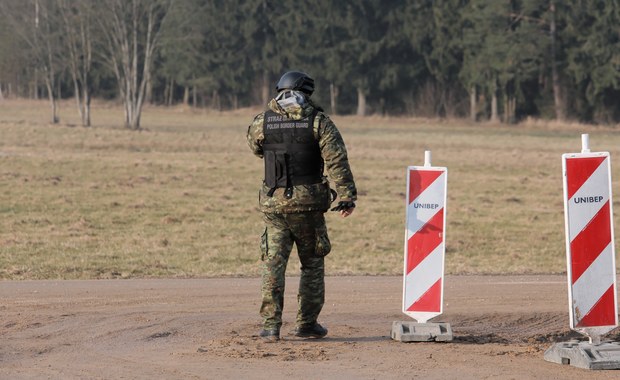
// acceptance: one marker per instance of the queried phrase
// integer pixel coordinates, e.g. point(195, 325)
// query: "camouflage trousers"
point(308, 232)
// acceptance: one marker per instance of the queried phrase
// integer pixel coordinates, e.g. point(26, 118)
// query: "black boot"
point(271, 335)
point(311, 331)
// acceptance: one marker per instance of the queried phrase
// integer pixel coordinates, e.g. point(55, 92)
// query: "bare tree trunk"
point(234, 101)
point(38, 32)
point(170, 93)
point(186, 96)
point(35, 86)
point(78, 100)
point(441, 110)
point(50, 73)
point(86, 120)
point(333, 98)
point(166, 91)
point(361, 102)
point(149, 92)
point(36, 27)
point(215, 100)
point(494, 114)
point(1, 93)
point(265, 88)
point(510, 104)
point(473, 107)
point(555, 77)
point(134, 120)
point(77, 32)
point(53, 105)
point(132, 35)
point(194, 92)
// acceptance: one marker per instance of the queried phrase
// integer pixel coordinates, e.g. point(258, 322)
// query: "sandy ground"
point(206, 329)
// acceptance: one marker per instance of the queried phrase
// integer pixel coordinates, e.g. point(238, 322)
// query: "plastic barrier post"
point(590, 258)
point(423, 270)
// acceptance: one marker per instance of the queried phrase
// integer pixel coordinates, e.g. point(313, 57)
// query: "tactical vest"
point(291, 152)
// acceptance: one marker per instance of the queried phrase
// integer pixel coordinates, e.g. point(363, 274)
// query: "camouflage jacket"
point(316, 197)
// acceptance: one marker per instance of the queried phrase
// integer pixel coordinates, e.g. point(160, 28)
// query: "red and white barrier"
point(590, 252)
point(424, 241)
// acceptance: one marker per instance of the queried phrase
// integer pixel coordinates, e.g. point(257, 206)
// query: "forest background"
point(503, 61)
point(498, 90)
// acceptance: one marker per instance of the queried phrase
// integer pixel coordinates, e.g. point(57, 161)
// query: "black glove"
point(344, 205)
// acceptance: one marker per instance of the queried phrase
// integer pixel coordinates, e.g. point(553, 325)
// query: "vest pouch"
point(276, 172)
point(270, 169)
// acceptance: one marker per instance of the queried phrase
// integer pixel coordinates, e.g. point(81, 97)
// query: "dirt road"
point(206, 329)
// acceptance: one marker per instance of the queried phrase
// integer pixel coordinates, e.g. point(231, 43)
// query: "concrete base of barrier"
point(421, 332)
point(585, 355)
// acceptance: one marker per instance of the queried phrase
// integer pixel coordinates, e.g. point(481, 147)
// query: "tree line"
point(501, 60)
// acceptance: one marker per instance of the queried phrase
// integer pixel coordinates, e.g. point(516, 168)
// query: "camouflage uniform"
point(299, 220)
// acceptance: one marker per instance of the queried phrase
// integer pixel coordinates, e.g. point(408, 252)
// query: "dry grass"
point(179, 198)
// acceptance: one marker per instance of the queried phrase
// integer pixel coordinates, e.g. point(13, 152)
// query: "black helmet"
point(296, 80)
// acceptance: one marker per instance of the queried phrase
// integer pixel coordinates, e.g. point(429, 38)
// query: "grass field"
point(179, 199)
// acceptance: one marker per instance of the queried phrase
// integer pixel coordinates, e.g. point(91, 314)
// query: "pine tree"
point(593, 56)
